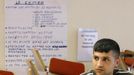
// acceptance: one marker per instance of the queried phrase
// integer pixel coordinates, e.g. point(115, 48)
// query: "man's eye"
point(106, 59)
point(96, 58)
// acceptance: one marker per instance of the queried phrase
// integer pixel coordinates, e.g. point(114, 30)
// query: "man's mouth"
point(99, 70)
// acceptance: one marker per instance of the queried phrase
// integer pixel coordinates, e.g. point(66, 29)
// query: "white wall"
point(111, 18)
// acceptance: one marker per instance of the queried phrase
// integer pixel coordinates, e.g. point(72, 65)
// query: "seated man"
point(106, 54)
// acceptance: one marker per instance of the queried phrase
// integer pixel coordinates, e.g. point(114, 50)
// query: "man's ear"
point(117, 62)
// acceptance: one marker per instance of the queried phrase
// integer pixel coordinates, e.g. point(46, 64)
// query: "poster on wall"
point(40, 24)
point(86, 39)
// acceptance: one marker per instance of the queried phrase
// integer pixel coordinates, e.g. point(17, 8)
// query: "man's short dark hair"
point(106, 45)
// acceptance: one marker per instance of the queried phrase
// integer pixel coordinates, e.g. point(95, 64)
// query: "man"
point(106, 54)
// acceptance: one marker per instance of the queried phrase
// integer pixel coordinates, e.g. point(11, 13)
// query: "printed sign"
point(86, 40)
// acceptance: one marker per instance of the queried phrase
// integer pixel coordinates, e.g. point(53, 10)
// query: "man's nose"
point(100, 63)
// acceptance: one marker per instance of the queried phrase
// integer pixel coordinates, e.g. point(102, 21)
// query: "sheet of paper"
point(40, 24)
point(86, 40)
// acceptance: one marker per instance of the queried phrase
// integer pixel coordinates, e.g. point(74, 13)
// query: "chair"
point(2, 72)
point(128, 57)
point(64, 67)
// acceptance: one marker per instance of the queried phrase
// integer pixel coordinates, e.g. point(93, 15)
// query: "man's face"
point(104, 63)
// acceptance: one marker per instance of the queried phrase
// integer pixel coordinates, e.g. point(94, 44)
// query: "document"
point(40, 24)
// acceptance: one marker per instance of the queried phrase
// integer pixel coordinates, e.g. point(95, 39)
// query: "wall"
point(2, 35)
point(111, 18)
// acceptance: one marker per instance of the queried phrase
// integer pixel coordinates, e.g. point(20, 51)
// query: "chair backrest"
point(2, 72)
point(128, 57)
point(64, 67)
